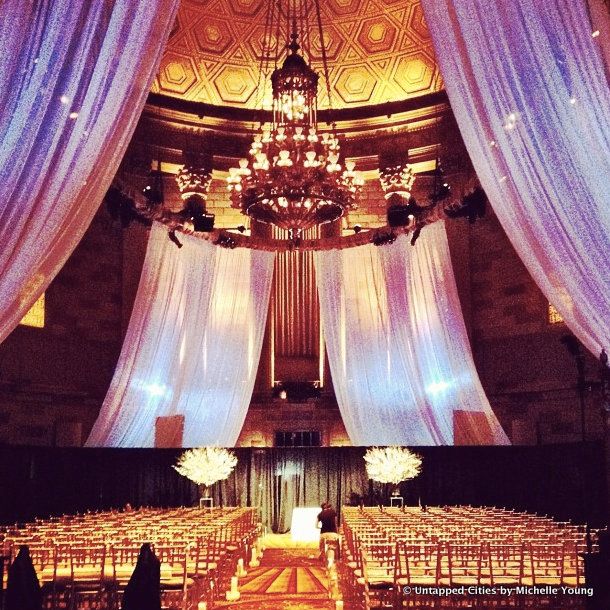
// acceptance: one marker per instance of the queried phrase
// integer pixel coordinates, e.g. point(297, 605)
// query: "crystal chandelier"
point(294, 177)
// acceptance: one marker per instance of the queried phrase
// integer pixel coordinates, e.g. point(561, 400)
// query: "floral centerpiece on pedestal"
point(206, 465)
point(392, 465)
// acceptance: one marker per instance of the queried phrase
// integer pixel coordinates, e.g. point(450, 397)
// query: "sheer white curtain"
point(193, 344)
point(397, 345)
point(527, 85)
point(74, 77)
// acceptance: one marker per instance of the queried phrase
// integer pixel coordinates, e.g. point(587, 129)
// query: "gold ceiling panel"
point(379, 51)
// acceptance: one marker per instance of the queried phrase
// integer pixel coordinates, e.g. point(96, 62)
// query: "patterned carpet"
point(287, 579)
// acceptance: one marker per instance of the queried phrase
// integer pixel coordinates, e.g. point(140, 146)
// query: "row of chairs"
point(386, 551)
point(464, 523)
point(379, 573)
point(91, 570)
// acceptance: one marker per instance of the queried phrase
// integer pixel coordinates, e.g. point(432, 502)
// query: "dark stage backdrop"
point(565, 481)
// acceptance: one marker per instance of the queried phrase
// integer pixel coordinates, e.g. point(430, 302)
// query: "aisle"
point(289, 578)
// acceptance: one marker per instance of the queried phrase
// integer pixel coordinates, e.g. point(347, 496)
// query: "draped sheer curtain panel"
point(397, 346)
point(192, 347)
point(530, 91)
point(74, 77)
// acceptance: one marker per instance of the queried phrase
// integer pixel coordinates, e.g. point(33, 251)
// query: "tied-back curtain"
point(192, 347)
point(527, 85)
point(397, 346)
point(74, 77)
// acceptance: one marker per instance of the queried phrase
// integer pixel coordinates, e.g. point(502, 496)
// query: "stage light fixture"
point(154, 192)
point(472, 206)
point(203, 222)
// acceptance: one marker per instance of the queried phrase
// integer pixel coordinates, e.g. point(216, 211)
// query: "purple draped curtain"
point(74, 77)
point(527, 84)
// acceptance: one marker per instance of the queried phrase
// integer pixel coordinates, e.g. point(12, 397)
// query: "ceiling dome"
point(378, 51)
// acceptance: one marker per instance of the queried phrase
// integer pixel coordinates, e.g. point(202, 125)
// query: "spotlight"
point(153, 191)
point(472, 206)
point(381, 238)
point(225, 241)
point(399, 215)
point(121, 207)
point(195, 212)
point(203, 222)
point(296, 391)
point(441, 189)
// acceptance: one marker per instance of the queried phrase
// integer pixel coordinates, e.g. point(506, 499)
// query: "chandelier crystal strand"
point(294, 177)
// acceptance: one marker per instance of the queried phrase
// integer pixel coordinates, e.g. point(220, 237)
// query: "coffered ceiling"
point(378, 50)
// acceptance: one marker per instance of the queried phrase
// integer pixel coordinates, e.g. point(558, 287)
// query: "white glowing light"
point(156, 389)
point(595, 34)
point(511, 121)
point(64, 99)
point(572, 101)
point(437, 387)
point(73, 115)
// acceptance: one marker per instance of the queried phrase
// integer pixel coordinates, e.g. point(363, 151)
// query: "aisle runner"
point(287, 579)
point(286, 571)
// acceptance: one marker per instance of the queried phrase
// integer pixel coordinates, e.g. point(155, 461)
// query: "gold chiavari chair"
point(88, 567)
point(545, 563)
point(61, 585)
point(123, 558)
point(506, 561)
point(202, 570)
point(174, 576)
point(465, 565)
point(573, 569)
point(378, 562)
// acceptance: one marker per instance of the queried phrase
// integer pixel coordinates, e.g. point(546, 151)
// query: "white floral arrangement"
point(392, 464)
point(206, 465)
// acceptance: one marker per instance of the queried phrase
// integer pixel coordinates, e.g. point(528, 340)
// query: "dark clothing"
point(22, 588)
point(328, 518)
point(143, 591)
